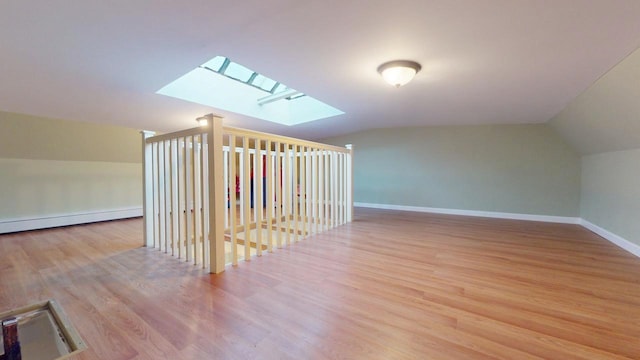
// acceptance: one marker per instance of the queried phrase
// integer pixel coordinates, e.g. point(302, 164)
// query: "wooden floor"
point(391, 285)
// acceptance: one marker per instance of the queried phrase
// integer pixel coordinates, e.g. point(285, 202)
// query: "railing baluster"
point(174, 196)
point(160, 196)
point(167, 194)
point(308, 186)
point(278, 194)
point(246, 190)
point(189, 198)
point(147, 188)
point(258, 193)
point(286, 196)
point(334, 203)
point(343, 167)
point(269, 202)
point(327, 191)
point(156, 196)
point(182, 196)
point(195, 155)
point(177, 182)
point(295, 189)
point(163, 198)
point(341, 187)
point(314, 192)
point(227, 188)
point(302, 204)
point(321, 192)
point(216, 200)
point(194, 200)
point(232, 199)
point(195, 181)
point(252, 185)
point(349, 177)
point(309, 190)
point(204, 213)
point(240, 182)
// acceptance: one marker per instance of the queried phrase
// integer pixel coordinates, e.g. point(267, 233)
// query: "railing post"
point(350, 183)
point(147, 190)
point(217, 201)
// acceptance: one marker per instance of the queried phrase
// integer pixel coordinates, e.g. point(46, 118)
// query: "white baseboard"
point(489, 214)
point(618, 240)
point(23, 224)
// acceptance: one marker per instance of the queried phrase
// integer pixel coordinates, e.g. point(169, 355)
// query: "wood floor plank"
point(390, 285)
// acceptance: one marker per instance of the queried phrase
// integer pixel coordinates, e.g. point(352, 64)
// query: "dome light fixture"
point(399, 72)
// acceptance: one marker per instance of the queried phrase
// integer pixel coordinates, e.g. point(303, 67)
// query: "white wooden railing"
point(215, 195)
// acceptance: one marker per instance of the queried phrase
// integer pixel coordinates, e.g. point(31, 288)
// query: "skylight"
point(224, 84)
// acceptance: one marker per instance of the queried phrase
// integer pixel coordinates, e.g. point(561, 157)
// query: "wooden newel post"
point(216, 194)
point(350, 183)
point(147, 189)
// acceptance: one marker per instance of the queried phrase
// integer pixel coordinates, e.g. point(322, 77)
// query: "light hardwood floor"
point(390, 285)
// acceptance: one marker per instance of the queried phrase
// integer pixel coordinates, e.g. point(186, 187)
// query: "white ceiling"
point(491, 61)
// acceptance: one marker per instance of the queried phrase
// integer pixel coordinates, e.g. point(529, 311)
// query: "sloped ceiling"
point(606, 117)
point(484, 61)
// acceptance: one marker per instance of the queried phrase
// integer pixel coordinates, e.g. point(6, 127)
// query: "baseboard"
point(489, 214)
point(23, 224)
point(618, 240)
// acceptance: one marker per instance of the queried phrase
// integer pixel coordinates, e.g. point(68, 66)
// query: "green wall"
point(35, 188)
point(611, 192)
point(603, 124)
point(54, 167)
point(31, 137)
point(525, 169)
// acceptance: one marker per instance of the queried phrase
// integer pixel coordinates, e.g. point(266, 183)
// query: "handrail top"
point(177, 134)
point(245, 132)
point(285, 139)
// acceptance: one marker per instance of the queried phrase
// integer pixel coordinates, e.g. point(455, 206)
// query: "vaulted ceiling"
point(484, 61)
point(606, 116)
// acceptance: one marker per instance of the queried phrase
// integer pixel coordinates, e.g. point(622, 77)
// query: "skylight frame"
point(209, 84)
point(224, 67)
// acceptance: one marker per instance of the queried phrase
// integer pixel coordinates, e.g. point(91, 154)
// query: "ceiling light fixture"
point(399, 72)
